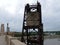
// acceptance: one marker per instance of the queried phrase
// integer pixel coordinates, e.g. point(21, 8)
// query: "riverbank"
point(51, 36)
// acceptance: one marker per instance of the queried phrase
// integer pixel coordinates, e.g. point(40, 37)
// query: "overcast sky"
point(12, 11)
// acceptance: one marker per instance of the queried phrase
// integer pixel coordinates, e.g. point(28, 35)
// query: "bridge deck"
point(2, 40)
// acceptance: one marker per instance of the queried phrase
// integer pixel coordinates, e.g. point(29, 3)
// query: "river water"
point(55, 41)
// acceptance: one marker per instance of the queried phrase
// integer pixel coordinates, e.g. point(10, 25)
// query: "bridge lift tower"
point(32, 32)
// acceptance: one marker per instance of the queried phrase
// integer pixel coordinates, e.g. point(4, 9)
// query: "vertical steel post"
point(31, 25)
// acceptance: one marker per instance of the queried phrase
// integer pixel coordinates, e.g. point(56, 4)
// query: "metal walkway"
point(2, 40)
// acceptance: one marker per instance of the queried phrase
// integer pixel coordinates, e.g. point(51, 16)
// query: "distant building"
point(8, 30)
point(2, 29)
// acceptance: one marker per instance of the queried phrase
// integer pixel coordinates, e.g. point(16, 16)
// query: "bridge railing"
point(13, 41)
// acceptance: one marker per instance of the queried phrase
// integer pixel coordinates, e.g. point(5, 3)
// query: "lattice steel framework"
point(32, 31)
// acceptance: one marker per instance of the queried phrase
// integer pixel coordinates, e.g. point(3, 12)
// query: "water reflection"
point(55, 41)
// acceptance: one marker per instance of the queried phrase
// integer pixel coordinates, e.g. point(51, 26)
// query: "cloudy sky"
point(12, 11)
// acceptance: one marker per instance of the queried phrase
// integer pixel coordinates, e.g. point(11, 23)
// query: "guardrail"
point(13, 41)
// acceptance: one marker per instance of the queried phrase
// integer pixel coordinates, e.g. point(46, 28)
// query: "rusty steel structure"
point(32, 24)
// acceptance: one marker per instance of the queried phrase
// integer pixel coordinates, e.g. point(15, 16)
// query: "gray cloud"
point(50, 15)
